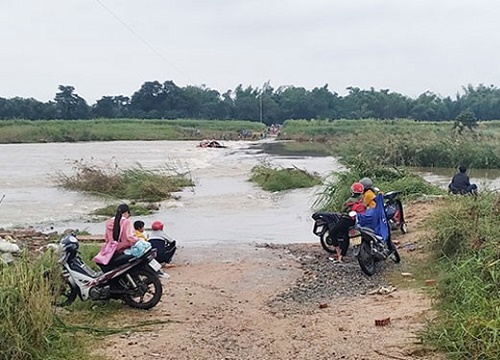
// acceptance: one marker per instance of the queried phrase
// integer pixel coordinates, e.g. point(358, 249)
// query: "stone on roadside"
point(8, 247)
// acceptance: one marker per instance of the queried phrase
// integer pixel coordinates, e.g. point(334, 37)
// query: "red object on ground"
point(383, 322)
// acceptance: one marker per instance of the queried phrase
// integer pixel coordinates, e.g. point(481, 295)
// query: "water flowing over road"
point(223, 206)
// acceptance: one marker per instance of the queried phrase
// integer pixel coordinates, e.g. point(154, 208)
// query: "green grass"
point(24, 131)
point(136, 209)
point(467, 248)
point(274, 178)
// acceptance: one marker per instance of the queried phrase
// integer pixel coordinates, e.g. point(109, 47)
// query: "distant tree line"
point(155, 100)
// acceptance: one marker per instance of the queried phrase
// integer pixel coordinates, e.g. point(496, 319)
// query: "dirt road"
point(232, 303)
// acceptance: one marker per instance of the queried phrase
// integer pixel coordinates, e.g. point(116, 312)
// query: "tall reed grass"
point(467, 246)
point(336, 191)
point(28, 325)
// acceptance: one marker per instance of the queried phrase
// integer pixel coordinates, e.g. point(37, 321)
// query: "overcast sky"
point(111, 47)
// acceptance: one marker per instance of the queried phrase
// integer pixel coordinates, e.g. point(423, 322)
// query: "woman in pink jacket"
point(121, 229)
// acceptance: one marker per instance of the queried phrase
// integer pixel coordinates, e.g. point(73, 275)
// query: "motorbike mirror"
point(352, 214)
point(376, 189)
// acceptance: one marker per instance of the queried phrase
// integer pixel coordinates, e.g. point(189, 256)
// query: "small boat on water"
point(211, 144)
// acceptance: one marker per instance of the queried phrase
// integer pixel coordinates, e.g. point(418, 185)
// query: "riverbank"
point(70, 131)
point(279, 302)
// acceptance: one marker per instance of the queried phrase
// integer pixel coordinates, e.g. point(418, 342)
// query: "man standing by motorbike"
point(339, 233)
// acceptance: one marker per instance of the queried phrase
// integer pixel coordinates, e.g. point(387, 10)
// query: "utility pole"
point(261, 92)
point(264, 87)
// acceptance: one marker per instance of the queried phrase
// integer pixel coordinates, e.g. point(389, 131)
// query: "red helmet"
point(357, 188)
point(157, 225)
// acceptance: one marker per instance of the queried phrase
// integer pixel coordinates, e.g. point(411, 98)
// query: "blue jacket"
point(375, 218)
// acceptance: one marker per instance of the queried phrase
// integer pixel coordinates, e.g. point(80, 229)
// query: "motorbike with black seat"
point(126, 277)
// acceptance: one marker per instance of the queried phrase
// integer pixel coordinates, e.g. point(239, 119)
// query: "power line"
point(137, 35)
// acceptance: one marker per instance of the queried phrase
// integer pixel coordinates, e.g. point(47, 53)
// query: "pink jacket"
point(127, 234)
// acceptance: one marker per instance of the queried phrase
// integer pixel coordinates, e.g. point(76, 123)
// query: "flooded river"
point(223, 207)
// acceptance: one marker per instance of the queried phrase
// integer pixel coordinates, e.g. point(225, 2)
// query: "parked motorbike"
point(134, 280)
point(373, 249)
point(394, 211)
point(368, 247)
point(323, 222)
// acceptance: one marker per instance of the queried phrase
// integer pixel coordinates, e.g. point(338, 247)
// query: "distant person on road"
point(460, 183)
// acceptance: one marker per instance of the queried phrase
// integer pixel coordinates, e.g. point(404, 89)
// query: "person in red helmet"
point(339, 233)
point(165, 247)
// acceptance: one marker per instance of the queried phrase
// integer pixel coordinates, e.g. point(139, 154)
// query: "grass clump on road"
point(274, 178)
point(133, 184)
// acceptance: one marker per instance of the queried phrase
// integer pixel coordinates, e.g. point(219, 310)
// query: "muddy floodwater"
point(222, 207)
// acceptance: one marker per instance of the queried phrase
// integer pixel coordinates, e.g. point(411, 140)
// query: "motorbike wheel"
point(148, 292)
point(66, 296)
point(326, 243)
point(365, 259)
point(63, 293)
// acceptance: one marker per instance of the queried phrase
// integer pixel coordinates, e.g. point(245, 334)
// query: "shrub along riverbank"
point(335, 191)
point(402, 142)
